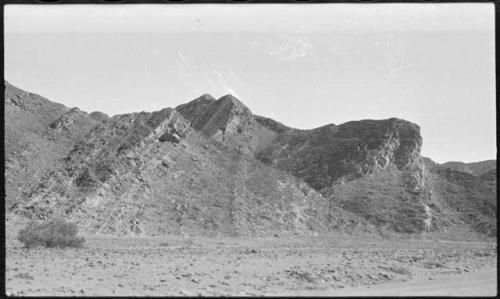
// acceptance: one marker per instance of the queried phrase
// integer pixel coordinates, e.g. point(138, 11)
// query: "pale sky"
point(303, 65)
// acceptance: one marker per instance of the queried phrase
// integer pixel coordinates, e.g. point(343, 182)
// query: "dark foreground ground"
point(325, 265)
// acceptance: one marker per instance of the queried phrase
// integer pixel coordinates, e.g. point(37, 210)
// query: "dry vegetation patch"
point(55, 232)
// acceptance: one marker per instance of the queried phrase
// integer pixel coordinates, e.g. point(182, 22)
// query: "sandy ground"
point(483, 283)
point(329, 266)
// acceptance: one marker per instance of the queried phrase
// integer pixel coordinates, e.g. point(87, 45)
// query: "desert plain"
point(282, 265)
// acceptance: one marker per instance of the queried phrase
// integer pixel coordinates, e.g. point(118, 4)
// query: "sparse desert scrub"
point(55, 232)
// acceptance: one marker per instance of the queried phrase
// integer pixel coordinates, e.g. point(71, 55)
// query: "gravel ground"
point(236, 266)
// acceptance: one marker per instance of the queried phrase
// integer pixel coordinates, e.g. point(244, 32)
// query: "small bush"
point(87, 180)
point(55, 232)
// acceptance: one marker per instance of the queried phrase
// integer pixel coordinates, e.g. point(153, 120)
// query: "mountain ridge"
point(211, 165)
point(476, 168)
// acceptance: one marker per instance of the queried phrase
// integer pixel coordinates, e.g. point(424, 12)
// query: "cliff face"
point(212, 167)
point(341, 153)
point(371, 168)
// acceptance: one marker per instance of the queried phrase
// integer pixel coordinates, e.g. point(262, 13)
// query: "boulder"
point(170, 137)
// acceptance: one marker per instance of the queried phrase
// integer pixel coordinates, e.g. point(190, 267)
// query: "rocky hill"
point(212, 167)
point(38, 133)
point(475, 168)
point(462, 199)
point(153, 173)
point(490, 179)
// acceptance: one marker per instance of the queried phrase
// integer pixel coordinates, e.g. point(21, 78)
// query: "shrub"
point(55, 232)
point(86, 181)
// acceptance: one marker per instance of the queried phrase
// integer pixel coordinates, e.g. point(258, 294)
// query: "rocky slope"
point(152, 173)
point(229, 122)
point(460, 199)
point(210, 166)
point(371, 168)
point(333, 160)
point(490, 179)
point(475, 168)
point(463, 195)
point(38, 133)
point(332, 153)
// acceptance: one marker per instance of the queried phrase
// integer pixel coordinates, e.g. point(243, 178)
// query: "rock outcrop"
point(345, 152)
point(225, 120)
point(360, 165)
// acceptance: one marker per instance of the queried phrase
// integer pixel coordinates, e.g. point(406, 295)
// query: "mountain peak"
point(210, 116)
point(203, 100)
point(229, 98)
point(205, 97)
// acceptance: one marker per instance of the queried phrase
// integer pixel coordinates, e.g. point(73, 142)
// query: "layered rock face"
point(227, 121)
point(461, 199)
point(332, 153)
point(154, 174)
point(31, 146)
point(371, 168)
point(212, 167)
point(226, 116)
